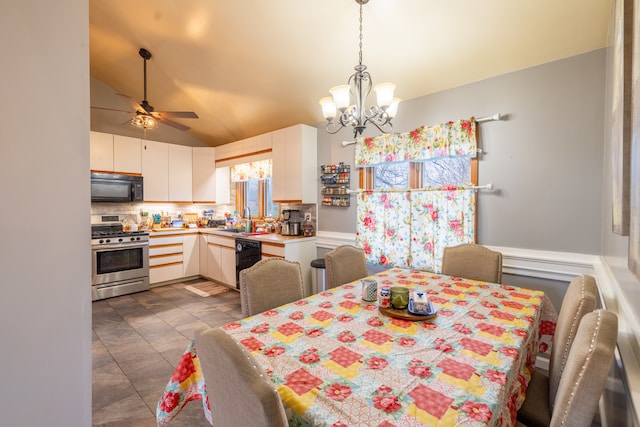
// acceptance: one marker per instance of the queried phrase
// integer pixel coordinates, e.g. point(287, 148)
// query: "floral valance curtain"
point(426, 142)
point(412, 228)
point(253, 170)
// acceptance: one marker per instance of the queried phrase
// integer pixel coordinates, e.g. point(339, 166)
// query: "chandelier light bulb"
point(384, 93)
point(328, 108)
point(393, 108)
point(340, 96)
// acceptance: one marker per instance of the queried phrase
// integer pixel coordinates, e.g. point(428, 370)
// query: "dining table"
point(338, 360)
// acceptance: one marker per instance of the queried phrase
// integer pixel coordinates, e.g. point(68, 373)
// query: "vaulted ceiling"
point(247, 67)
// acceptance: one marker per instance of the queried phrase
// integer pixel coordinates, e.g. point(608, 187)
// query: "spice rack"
point(335, 183)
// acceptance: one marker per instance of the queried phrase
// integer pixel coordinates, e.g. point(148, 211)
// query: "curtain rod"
point(496, 116)
point(393, 190)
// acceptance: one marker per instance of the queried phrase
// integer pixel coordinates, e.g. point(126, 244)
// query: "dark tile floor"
point(137, 341)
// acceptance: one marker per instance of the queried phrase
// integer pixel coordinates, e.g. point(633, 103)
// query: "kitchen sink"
point(230, 230)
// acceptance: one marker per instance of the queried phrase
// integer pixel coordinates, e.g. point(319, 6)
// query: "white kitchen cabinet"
point(249, 145)
point(165, 258)
point(204, 175)
point(155, 171)
point(190, 255)
point(263, 142)
point(230, 150)
point(101, 151)
point(115, 153)
point(180, 173)
point(294, 154)
point(202, 254)
point(228, 265)
point(214, 270)
point(221, 259)
point(127, 154)
point(223, 185)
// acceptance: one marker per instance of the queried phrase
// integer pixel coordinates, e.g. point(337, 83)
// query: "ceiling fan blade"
point(112, 109)
point(131, 102)
point(175, 114)
point(172, 123)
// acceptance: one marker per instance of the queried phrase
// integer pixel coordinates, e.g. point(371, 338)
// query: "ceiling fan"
point(144, 115)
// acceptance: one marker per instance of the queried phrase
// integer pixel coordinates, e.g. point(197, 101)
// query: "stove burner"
point(114, 230)
point(116, 233)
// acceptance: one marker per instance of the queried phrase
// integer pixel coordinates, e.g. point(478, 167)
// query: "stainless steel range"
point(120, 259)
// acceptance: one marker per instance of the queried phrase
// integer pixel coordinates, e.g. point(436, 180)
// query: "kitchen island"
point(182, 253)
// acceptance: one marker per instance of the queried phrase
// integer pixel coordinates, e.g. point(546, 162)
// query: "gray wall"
point(45, 267)
point(545, 160)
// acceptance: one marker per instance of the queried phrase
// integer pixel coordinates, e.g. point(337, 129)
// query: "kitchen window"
point(256, 195)
point(253, 188)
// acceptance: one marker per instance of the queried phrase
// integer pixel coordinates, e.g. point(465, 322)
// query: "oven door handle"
point(120, 246)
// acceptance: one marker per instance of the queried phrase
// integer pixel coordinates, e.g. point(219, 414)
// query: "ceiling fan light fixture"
point(144, 121)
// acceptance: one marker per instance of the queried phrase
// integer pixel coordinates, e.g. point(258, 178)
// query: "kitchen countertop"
point(268, 237)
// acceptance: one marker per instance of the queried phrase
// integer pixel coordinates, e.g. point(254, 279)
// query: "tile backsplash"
point(133, 210)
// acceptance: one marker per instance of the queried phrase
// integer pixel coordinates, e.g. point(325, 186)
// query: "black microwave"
point(107, 187)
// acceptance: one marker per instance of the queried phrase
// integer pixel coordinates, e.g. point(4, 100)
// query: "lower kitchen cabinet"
point(190, 255)
point(202, 254)
point(228, 265)
point(221, 259)
point(173, 257)
point(165, 258)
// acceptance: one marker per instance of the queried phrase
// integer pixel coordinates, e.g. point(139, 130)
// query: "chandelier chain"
point(360, 45)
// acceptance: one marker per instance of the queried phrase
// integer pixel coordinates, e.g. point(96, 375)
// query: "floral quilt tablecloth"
point(337, 361)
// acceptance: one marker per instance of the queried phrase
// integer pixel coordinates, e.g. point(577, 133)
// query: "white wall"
point(45, 304)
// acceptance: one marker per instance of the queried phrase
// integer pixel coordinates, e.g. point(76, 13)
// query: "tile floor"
point(137, 341)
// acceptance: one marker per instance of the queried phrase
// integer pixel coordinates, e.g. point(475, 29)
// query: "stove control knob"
point(137, 238)
point(101, 241)
point(108, 241)
point(120, 239)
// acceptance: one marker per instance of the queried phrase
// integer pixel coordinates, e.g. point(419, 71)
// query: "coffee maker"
point(291, 224)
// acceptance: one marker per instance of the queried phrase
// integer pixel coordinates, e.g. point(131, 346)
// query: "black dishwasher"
point(248, 252)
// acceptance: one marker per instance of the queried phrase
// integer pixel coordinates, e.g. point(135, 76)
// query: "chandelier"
point(339, 111)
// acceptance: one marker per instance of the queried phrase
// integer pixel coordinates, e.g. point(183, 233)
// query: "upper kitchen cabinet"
point(204, 175)
point(155, 171)
point(264, 142)
point(101, 151)
point(115, 153)
point(294, 158)
point(223, 185)
point(127, 154)
point(229, 151)
point(180, 173)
